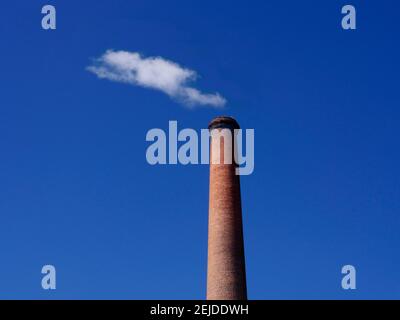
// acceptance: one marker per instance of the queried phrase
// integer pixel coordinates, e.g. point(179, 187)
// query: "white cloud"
point(156, 73)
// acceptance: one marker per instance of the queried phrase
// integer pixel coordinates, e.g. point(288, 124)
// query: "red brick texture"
point(226, 276)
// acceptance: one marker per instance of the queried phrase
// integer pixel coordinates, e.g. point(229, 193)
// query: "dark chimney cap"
point(223, 122)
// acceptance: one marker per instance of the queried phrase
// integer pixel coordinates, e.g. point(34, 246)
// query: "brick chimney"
point(226, 275)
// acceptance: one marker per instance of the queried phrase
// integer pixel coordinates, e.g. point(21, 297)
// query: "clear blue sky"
point(76, 190)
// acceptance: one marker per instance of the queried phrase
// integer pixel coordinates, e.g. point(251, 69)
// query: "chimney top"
point(223, 122)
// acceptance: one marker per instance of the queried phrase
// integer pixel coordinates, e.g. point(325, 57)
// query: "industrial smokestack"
point(226, 275)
